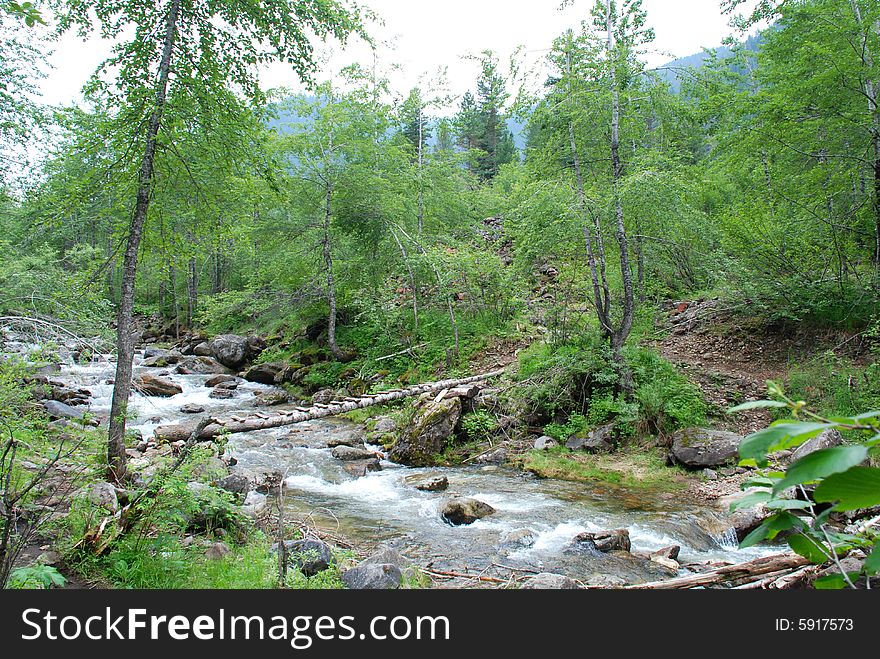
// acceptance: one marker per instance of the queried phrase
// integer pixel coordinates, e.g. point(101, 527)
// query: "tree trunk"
point(421, 205)
point(124, 334)
point(412, 281)
point(192, 289)
point(331, 285)
point(622, 333)
point(259, 421)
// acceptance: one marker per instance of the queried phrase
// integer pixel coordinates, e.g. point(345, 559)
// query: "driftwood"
point(260, 421)
point(776, 565)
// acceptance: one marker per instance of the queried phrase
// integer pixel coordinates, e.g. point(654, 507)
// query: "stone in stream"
point(361, 468)
point(701, 448)
point(192, 408)
point(203, 349)
point(351, 440)
point(350, 454)
point(604, 541)
point(160, 358)
point(436, 484)
point(373, 576)
point(464, 510)
point(518, 538)
point(216, 380)
point(153, 385)
point(550, 581)
point(201, 366)
point(222, 394)
point(427, 434)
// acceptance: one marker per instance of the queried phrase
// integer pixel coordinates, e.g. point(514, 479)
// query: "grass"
point(634, 467)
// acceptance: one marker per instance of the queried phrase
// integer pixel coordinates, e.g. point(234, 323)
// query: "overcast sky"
point(421, 36)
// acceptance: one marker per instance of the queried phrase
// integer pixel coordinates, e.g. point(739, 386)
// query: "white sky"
point(423, 36)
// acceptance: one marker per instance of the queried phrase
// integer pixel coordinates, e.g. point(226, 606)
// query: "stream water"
point(531, 530)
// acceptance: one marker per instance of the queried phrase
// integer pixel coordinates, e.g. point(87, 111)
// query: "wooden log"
point(776, 563)
point(252, 422)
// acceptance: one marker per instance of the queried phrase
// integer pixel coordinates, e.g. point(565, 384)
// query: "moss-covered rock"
point(428, 433)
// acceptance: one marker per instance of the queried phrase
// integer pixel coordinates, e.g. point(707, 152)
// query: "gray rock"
point(384, 425)
point(308, 556)
point(544, 442)
point(271, 398)
point(235, 483)
point(428, 433)
point(201, 366)
point(373, 576)
point(361, 468)
point(203, 349)
point(549, 581)
point(436, 484)
point(349, 454)
point(464, 510)
point(264, 373)
point(222, 394)
point(217, 551)
point(519, 538)
point(215, 380)
point(828, 439)
point(58, 410)
point(255, 504)
point(104, 495)
point(496, 457)
point(701, 448)
point(605, 541)
point(192, 408)
point(599, 440)
point(323, 397)
point(231, 350)
point(152, 351)
point(352, 441)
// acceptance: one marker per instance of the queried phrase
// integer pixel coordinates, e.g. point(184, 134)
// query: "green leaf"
point(750, 500)
point(777, 437)
point(872, 563)
point(820, 464)
point(788, 504)
point(867, 415)
point(756, 405)
point(770, 528)
point(807, 547)
point(830, 582)
point(858, 487)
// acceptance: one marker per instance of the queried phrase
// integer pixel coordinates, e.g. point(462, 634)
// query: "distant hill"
point(672, 71)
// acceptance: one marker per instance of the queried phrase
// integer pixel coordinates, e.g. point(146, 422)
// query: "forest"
point(248, 336)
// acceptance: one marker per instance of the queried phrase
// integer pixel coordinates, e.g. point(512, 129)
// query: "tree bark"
point(124, 335)
point(412, 281)
point(328, 266)
point(260, 421)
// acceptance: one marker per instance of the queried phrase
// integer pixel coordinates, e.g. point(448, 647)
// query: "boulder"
point(599, 440)
point(192, 408)
point(464, 510)
point(361, 468)
point(231, 350)
point(203, 349)
point(605, 541)
point(271, 398)
point(255, 504)
point(428, 433)
point(235, 483)
point(153, 385)
point(263, 373)
point(545, 442)
point(373, 576)
point(323, 397)
point(701, 448)
point(549, 581)
point(58, 410)
point(217, 551)
point(165, 358)
point(308, 556)
point(352, 441)
point(495, 457)
point(828, 439)
point(518, 538)
point(350, 454)
point(201, 366)
point(436, 484)
point(152, 351)
point(215, 380)
point(104, 495)
point(222, 394)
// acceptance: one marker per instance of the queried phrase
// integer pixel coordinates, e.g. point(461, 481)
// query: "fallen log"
point(776, 564)
point(252, 422)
